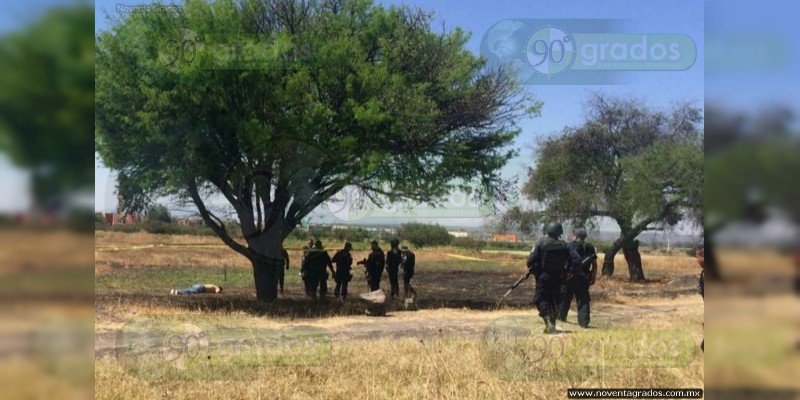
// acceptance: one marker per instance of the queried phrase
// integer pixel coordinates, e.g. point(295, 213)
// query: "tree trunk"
point(634, 259)
point(608, 260)
point(711, 269)
point(265, 275)
point(630, 249)
point(267, 264)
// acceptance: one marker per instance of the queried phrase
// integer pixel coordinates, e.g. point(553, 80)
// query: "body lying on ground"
point(198, 288)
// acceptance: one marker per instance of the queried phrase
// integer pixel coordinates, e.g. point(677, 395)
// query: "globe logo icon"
point(550, 51)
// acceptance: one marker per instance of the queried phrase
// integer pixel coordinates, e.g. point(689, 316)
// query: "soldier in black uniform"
point(344, 261)
point(316, 262)
point(375, 264)
point(549, 261)
point(393, 259)
point(282, 272)
point(408, 263)
point(304, 273)
point(577, 284)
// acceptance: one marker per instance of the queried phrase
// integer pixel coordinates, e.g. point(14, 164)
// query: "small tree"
point(47, 103)
point(158, 213)
point(424, 235)
point(638, 167)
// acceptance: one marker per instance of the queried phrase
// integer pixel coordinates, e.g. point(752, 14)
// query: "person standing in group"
point(408, 263)
point(393, 259)
point(577, 285)
point(316, 263)
point(344, 261)
point(304, 273)
point(549, 261)
point(375, 263)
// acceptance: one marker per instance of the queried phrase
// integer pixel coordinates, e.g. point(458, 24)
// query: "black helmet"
point(554, 229)
point(580, 233)
point(348, 246)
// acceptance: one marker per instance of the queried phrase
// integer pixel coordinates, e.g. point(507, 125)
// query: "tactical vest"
point(555, 255)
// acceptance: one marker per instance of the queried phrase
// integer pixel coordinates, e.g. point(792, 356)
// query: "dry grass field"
point(46, 286)
point(458, 345)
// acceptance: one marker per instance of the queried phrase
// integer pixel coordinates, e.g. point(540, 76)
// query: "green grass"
point(145, 279)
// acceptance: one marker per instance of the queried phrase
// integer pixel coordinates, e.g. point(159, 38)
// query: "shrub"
point(511, 245)
point(422, 235)
point(159, 213)
point(81, 220)
point(468, 243)
point(299, 234)
point(126, 228)
point(351, 234)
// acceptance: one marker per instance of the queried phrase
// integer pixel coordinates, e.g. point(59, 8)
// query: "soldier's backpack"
point(555, 255)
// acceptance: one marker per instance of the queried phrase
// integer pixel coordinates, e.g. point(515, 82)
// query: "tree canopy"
point(334, 94)
point(640, 167)
point(47, 102)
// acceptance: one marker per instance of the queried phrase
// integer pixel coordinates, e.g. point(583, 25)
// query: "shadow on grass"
point(438, 289)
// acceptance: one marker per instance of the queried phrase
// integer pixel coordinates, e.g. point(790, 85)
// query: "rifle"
point(529, 272)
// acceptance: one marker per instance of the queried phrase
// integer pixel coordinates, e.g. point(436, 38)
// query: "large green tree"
point(751, 166)
point(275, 106)
point(47, 102)
point(638, 167)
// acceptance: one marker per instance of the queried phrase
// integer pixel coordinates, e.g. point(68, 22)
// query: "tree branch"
point(219, 230)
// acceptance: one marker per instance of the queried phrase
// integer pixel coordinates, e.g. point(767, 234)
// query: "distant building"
point(22, 219)
point(505, 237)
point(190, 222)
point(458, 234)
point(116, 219)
